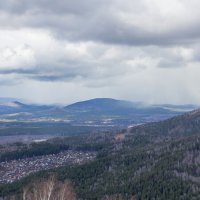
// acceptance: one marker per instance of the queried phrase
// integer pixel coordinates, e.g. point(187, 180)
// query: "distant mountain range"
point(18, 107)
point(100, 111)
point(106, 105)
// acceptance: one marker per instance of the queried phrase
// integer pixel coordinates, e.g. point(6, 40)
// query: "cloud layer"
point(138, 50)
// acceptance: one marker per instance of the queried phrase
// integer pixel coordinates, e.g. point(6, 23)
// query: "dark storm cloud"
point(18, 71)
point(44, 73)
point(50, 78)
point(64, 71)
point(99, 20)
point(49, 6)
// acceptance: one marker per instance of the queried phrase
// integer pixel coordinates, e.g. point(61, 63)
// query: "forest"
point(144, 164)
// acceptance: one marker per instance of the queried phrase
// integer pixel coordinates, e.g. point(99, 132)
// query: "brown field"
point(120, 136)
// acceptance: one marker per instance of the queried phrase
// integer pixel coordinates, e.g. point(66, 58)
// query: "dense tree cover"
point(57, 145)
point(147, 171)
point(36, 149)
point(39, 128)
point(183, 125)
point(150, 163)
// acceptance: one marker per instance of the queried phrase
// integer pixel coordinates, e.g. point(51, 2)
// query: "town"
point(16, 169)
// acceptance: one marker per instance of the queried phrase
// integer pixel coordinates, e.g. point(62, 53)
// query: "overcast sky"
point(70, 50)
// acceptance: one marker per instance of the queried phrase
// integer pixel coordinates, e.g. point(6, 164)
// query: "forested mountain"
point(186, 124)
point(94, 112)
point(120, 107)
point(153, 161)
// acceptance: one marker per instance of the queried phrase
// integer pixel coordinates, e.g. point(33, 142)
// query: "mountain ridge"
point(99, 111)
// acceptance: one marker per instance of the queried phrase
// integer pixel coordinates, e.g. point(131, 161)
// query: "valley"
point(156, 159)
point(29, 122)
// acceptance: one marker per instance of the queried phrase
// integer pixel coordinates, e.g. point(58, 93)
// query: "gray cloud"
point(123, 49)
point(113, 22)
point(50, 6)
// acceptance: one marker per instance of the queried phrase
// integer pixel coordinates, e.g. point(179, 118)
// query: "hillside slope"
point(153, 161)
point(113, 106)
point(187, 124)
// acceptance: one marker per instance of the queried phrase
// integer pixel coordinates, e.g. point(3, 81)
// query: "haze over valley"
point(30, 122)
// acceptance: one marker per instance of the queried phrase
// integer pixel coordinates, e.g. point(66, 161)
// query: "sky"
point(70, 50)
